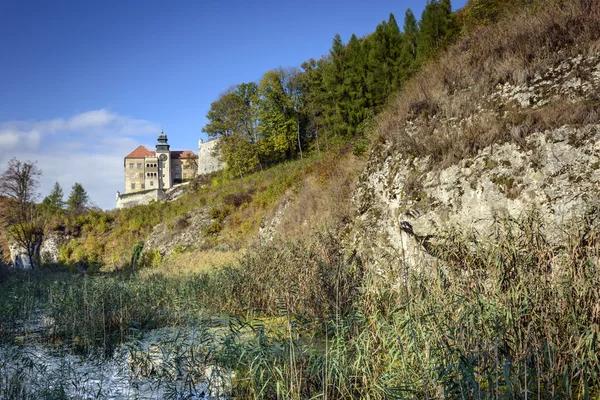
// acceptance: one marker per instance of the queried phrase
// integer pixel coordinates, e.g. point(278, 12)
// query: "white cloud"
point(9, 139)
point(87, 148)
point(96, 119)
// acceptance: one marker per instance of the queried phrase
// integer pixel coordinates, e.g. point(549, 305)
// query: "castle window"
point(139, 165)
point(151, 183)
point(141, 175)
point(176, 176)
point(132, 176)
point(130, 165)
point(143, 186)
point(133, 186)
point(177, 168)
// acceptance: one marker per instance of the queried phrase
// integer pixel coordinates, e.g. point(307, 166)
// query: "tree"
point(436, 29)
point(19, 183)
point(191, 162)
point(233, 118)
point(78, 199)
point(277, 121)
point(315, 96)
point(336, 110)
point(408, 55)
point(53, 203)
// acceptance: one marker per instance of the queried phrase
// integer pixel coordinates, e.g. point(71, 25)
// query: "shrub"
point(151, 258)
point(360, 147)
point(237, 199)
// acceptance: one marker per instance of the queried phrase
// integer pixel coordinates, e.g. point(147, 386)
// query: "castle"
point(148, 174)
point(160, 169)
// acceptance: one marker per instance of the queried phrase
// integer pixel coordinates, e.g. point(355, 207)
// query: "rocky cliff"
point(552, 167)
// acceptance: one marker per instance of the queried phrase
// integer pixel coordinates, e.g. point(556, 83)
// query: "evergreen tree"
point(380, 70)
point(275, 120)
point(355, 82)
point(437, 28)
point(315, 98)
point(53, 203)
point(395, 40)
point(335, 111)
point(78, 199)
point(408, 56)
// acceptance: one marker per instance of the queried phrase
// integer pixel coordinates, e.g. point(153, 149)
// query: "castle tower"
point(163, 154)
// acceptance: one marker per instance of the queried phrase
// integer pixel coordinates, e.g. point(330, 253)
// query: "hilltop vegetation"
point(292, 111)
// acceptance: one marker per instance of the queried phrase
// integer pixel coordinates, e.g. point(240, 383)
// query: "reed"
point(516, 316)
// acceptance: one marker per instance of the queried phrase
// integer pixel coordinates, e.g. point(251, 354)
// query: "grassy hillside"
point(314, 191)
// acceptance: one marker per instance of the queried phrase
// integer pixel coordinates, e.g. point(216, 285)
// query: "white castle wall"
point(208, 158)
point(138, 199)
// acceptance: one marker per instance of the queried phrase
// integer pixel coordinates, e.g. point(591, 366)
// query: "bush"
point(237, 199)
point(151, 258)
point(360, 147)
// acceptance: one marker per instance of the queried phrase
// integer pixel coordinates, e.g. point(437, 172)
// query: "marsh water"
point(163, 363)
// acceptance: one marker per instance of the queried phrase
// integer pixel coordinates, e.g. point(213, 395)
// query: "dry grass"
point(324, 197)
point(195, 262)
point(448, 102)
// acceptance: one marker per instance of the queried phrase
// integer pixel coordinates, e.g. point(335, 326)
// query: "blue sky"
point(82, 83)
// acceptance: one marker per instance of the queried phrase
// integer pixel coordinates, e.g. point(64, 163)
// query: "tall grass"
point(512, 316)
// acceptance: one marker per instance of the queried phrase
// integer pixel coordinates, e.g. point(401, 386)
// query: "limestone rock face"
point(47, 251)
point(50, 248)
point(555, 171)
point(19, 258)
point(268, 226)
point(185, 233)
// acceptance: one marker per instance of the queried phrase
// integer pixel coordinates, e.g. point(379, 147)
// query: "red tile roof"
point(183, 154)
point(140, 152)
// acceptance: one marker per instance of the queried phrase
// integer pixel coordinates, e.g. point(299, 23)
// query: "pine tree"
point(315, 99)
point(408, 56)
point(380, 70)
point(395, 39)
point(78, 199)
point(354, 82)
point(335, 112)
point(437, 29)
point(54, 203)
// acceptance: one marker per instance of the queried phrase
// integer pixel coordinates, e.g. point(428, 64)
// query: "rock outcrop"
point(555, 171)
point(20, 259)
point(47, 251)
point(187, 232)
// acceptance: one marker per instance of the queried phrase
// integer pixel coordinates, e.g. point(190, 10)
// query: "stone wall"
point(208, 158)
point(138, 199)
